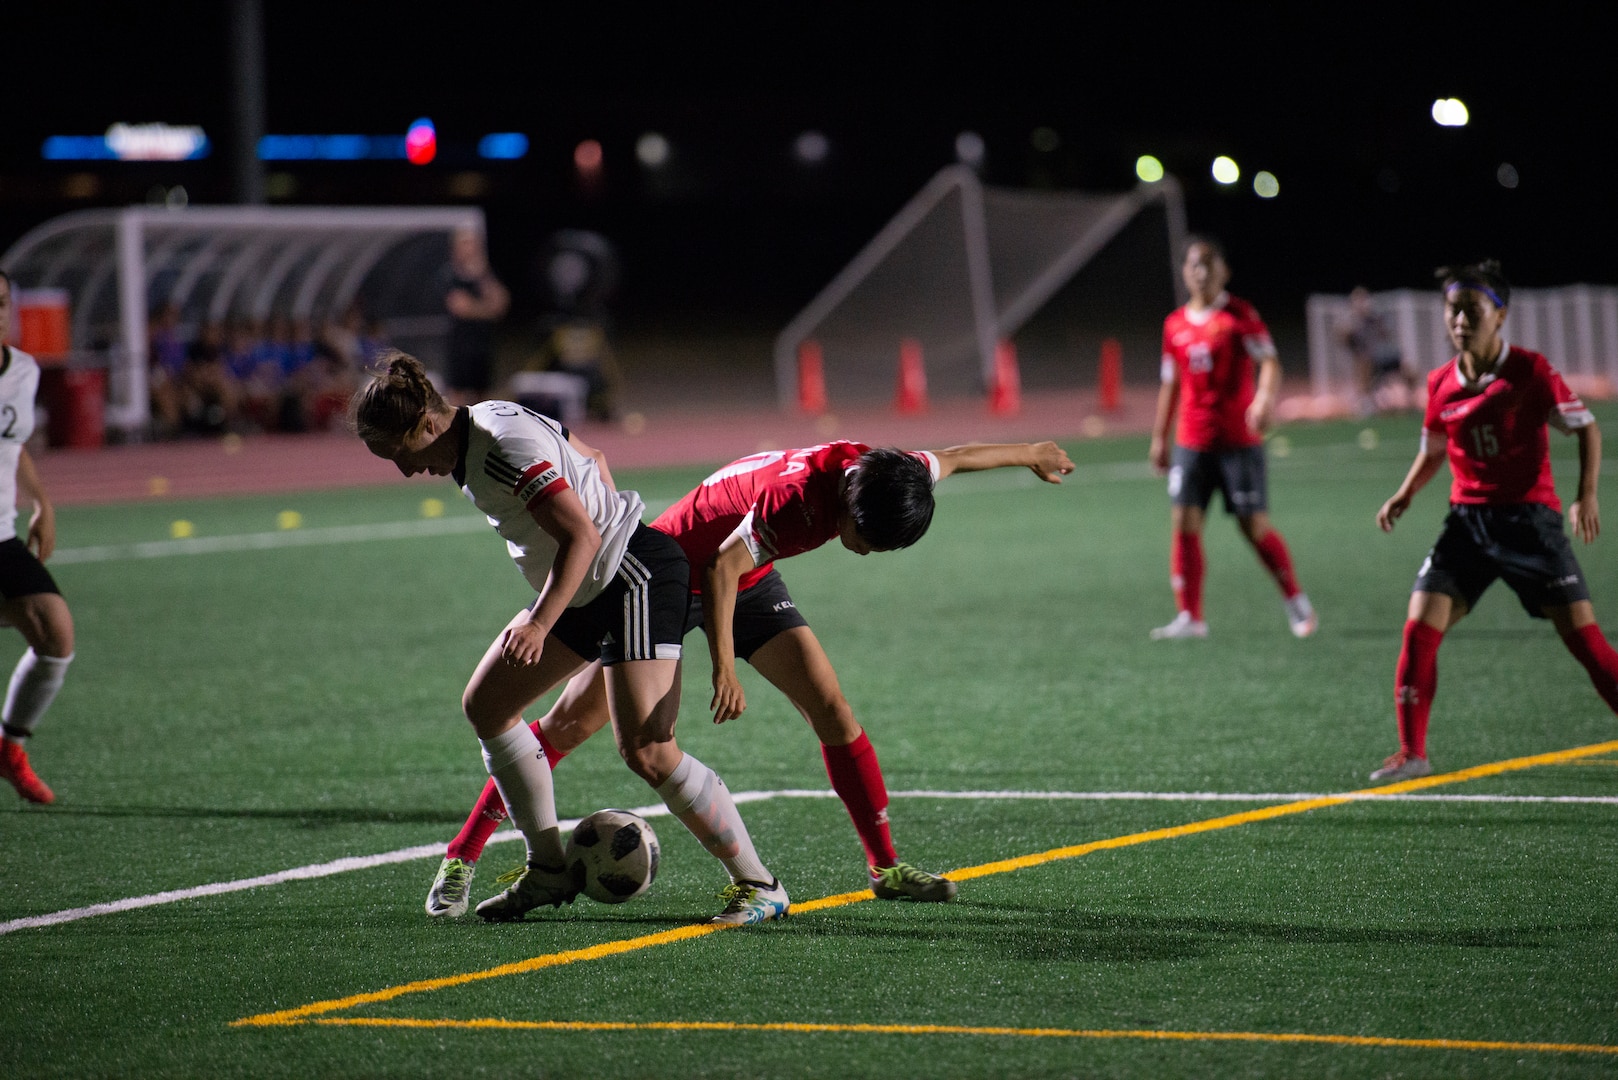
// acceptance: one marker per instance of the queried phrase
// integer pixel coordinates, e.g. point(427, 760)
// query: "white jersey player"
point(608, 588)
point(31, 601)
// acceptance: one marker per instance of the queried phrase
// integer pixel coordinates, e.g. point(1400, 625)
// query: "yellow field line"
point(667, 937)
point(953, 1029)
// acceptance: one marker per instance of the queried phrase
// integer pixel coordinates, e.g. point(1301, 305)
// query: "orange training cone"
point(1110, 378)
point(911, 394)
point(811, 378)
point(1005, 396)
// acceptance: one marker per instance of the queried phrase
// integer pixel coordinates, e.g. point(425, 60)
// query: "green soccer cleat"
point(533, 887)
point(901, 881)
point(452, 889)
point(751, 902)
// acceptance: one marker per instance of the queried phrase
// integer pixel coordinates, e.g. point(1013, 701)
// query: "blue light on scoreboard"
point(503, 146)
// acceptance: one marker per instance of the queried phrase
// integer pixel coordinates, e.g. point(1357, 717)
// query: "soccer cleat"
point(1402, 766)
point(452, 889)
point(532, 887)
point(749, 902)
point(1301, 616)
point(901, 881)
point(15, 768)
point(1183, 626)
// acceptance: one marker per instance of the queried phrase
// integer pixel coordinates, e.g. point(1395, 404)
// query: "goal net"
point(959, 269)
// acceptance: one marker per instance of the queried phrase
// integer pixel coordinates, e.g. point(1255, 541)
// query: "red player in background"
point(1210, 349)
point(1488, 411)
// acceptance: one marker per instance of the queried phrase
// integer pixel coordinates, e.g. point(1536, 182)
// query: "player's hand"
point(1260, 414)
point(42, 534)
point(1585, 517)
point(729, 701)
point(523, 645)
point(1392, 511)
point(1158, 455)
point(1051, 462)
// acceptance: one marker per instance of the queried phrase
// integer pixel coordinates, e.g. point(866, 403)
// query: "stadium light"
point(811, 148)
point(1507, 175)
point(421, 142)
point(1265, 185)
point(1450, 112)
point(503, 146)
point(969, 149)
point(652, 149)
point(1225, 170)
point(1148, 168)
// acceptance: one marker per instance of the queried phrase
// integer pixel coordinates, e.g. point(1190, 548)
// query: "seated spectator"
point(166, 354)
point(208, 394)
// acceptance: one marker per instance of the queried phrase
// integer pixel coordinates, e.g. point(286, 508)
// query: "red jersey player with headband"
point(1211, 347)
point(732, 527)
point(1488, 410)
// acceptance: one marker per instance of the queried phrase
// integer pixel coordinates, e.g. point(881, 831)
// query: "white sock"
point(33, 687)
point(695, 794)
point(517, 763)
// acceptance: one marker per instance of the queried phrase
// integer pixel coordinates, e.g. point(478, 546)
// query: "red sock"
point(1414, 683)
point(1272, 551)
point(490, 810)
point(857, 778)
point(1590, 648)
point(1186, 567)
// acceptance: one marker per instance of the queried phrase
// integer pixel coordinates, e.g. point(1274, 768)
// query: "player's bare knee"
point(833, 721)
point(650, 760)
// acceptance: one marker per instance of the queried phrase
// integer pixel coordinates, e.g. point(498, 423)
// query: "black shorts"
point(1238, 475)
point(1521, 543)
point(641, 615)
point(21, 574)
point(762, 612)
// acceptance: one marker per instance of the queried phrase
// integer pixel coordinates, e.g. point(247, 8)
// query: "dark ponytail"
point(393, 403)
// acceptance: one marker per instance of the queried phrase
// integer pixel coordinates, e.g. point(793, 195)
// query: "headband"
point(1477, 286)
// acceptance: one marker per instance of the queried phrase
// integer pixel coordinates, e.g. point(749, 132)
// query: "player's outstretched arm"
point(1048, 461)
point(720, 579)
point(1261, 412)
point(42, 525)
point(1429, 459)
point(1585, 513)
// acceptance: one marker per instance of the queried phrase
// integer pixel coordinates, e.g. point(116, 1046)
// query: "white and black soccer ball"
point(613, 855)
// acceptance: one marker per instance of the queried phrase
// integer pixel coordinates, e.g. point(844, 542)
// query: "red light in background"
point(421, 142)
point(587, 156)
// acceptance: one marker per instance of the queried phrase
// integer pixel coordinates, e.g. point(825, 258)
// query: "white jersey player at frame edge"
point(608, 588)
point(31, 600)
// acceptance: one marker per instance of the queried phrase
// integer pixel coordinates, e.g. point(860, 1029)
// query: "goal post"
point(960, 268)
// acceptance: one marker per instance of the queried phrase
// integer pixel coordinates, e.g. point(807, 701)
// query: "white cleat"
point(1402, 766)
point(752, 902)
point(452, 889)
point(1183, 626)
point(1301, 616)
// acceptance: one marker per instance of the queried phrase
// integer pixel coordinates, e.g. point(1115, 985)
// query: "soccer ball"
point(612, 856)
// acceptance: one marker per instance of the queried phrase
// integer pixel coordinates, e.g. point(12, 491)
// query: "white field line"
point(436, 851)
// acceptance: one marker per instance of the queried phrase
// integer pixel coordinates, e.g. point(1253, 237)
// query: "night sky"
point(1332, 99)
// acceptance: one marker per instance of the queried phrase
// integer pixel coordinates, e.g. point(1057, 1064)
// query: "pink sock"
point(490, 810)
point(1186, 566)
point(856, 776)
point(1414, 683)
point(1272, 551)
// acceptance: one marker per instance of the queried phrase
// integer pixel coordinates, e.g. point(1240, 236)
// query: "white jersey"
point(515, 459)
point(19, 383)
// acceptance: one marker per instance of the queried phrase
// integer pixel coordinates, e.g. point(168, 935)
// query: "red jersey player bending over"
point(1488, 409)
point(733, 527)
point(1210, 347)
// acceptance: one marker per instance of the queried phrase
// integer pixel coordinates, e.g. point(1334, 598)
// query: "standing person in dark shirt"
point(476, 301)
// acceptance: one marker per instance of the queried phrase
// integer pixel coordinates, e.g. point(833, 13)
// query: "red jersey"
point(781, 502)
point(1212, 353)
point(1499, 449)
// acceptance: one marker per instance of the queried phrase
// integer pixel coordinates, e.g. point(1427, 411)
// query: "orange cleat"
point(15, 768)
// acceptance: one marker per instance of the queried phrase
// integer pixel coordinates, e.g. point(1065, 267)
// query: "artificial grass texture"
point(239, 713)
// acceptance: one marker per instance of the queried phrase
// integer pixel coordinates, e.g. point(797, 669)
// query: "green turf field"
point(240, 709)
